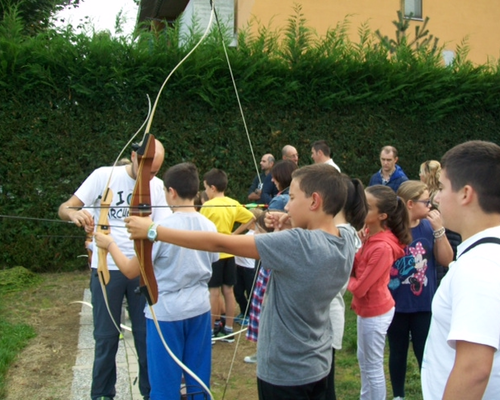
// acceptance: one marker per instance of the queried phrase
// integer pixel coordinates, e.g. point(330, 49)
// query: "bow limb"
point(142, 191)
point(205, 34)
point(103, 223)
point(141, 206)
point(103, 227)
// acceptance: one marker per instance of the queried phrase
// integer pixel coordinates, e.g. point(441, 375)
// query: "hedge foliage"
point(71, 101)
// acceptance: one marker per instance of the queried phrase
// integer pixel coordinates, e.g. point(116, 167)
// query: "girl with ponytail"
point(385, 235)
point(352, 218)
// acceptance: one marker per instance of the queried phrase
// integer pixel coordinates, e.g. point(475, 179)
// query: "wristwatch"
point(152, 233)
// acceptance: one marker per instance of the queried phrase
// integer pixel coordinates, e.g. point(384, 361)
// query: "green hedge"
point(71, 102)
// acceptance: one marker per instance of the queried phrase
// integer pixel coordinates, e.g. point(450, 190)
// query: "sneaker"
point(222, 336)
point(251, 359)
point(218, 326)
point(239, 318)
point(244, 323)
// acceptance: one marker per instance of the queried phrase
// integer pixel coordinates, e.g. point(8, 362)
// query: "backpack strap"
point(481, 241)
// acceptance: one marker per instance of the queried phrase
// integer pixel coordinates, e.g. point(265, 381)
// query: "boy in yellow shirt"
point(224, 212)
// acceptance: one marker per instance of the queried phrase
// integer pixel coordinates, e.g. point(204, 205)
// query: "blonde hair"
point(430, 170)
point(411, 190)
point(256, 212)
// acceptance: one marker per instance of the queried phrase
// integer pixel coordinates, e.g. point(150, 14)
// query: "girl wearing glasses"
point(413, 281)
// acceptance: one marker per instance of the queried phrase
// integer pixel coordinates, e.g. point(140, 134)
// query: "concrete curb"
point(126, 361)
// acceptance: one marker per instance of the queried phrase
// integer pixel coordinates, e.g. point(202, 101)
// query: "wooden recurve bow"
point(103, 227)
point(141, 206)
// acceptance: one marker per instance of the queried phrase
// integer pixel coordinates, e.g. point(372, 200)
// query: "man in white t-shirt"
point(321, 153)
point(106, 334)
point(461, 357)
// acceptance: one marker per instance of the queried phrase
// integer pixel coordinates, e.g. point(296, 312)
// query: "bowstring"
point(233, 80)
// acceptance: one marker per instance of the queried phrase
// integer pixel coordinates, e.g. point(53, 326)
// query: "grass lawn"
point(13, 336)
point(16, 284)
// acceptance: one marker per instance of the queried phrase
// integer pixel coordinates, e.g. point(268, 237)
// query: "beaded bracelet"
point(439, 233)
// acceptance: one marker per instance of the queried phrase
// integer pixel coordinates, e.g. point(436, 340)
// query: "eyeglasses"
point(427, 203)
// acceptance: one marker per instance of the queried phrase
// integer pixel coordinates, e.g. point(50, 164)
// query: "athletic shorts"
point(223, 273)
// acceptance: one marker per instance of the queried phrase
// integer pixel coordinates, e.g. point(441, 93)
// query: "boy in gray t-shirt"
point(310, 265)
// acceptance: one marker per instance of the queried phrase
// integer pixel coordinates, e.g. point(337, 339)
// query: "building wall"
point(450, 21)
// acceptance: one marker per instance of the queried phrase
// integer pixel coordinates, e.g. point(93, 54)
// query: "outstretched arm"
point(239, 245)
point(129, 267)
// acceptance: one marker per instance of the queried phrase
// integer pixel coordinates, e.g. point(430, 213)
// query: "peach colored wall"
point(450, 20)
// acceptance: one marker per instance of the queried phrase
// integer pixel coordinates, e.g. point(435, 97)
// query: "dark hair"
point(398, 220)
point(476, 163)
point(327, 182)
point(282, 173)
point(355, 208)
point(200, 198)
point(184, 179)
point(216, 177)
point(321, 145)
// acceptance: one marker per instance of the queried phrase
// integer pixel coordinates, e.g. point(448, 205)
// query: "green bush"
point(71, 102)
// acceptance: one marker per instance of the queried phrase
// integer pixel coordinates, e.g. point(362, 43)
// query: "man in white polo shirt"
point(321, 153)
point(461, 357)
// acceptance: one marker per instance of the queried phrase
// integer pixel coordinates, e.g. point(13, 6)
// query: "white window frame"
point(414, 6)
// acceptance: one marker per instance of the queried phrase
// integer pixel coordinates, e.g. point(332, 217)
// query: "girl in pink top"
point(385, 235)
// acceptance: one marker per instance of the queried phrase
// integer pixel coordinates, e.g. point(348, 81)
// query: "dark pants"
point(330, 390)
point(310, 391)
point(243, 288)
point(107, 337)
point(404, 324)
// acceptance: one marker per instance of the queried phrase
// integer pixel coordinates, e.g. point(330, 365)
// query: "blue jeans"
point(107, 337)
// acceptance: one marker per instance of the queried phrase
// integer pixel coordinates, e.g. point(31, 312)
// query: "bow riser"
point(141, 206)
